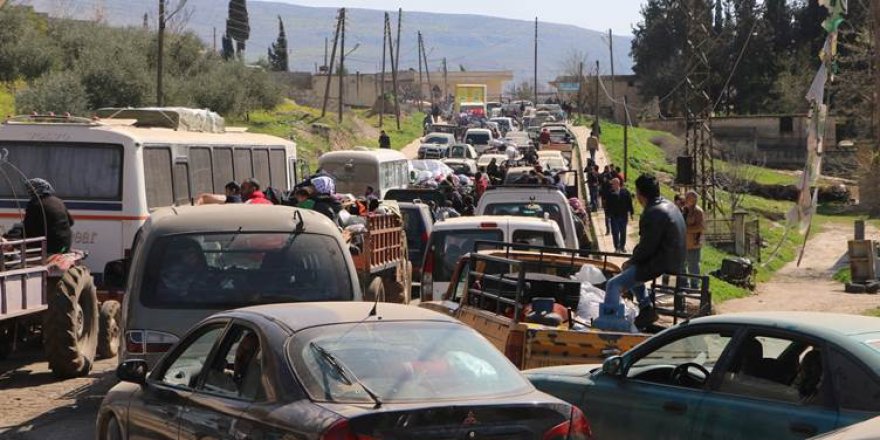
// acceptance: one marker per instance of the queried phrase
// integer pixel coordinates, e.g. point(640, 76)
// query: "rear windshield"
point(441, 140)
point(477, 138)
point(520, 209)
point(534, 238)
point(228, 270)
point(401, 361)
point(449, 246)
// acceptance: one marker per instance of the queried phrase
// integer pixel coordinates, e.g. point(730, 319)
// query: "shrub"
point(57, 92)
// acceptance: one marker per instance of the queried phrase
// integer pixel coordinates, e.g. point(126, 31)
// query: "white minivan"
point(532, 201)
point(454, 237)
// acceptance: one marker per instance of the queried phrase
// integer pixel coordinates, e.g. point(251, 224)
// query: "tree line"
point(762, 56)
point(61, 65)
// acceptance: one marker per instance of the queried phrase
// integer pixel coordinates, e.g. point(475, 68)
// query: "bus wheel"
point(108, 329)
point(70, 325)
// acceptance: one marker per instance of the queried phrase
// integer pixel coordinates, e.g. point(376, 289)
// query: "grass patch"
point(7, 102)
point(644, 156)
point(873, 312)
point(292, 120)
point(843, 275)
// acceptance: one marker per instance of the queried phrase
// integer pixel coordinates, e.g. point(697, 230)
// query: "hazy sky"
point(618, 15)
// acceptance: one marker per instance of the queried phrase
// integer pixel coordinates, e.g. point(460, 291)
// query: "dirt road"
point(36, 405)
point(809, 287)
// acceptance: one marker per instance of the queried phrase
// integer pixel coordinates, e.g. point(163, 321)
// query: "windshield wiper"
point(344, 373)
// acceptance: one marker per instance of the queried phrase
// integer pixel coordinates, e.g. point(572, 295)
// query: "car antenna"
point(300, 223)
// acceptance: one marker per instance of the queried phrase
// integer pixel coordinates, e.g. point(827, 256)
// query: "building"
point(607, 87)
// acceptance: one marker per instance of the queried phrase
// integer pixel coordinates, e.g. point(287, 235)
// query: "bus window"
point(261, 167)
point(181, 184)
point(243, 164)
point(157, 177)
point(222, 168)
point(276, 169)
point(65, 166)
point(200, 165)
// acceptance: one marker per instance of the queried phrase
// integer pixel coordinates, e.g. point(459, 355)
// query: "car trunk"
point(508, 421)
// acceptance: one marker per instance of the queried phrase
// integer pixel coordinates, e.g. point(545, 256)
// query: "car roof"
point(812, 322)
point(299, 316)
point(231, 217)
point(478, 130)
point(470, 221)
point(375, 154)
point(438, 133)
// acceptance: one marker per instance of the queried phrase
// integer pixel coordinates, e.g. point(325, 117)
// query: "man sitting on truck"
point(661, 250)
point(46, 215)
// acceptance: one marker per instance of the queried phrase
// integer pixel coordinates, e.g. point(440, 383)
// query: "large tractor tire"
point(375, 291)
point(108, 329)
point(70, 325)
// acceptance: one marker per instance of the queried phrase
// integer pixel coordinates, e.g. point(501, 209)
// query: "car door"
point(856, 387)
point(775, 381)
point(231, 382)
point(155, 410)
point(644, 399)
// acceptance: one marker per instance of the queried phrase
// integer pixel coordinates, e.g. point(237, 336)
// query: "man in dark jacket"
point(619, 209)
point(661, 250)
point(47, 216)
point(384, 140)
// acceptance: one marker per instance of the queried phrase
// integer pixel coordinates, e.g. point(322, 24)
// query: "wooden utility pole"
point(611, 56)
point(341, 62)
point(397, 54)
point(580, 94)
point(445, 82)
point(382, 87)
point(160, 62)
point(419, 50)
point(325, 52)
point(596, 98)
point(536, 61)
point(625, 140)
point(427, 70)
point(215, 39)
point(394, 60)
point(330, 67)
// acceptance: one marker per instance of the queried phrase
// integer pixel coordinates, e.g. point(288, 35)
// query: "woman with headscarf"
point(324, 197)
point(46, 215)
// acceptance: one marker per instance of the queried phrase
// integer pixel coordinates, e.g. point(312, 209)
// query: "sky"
point(617, 15)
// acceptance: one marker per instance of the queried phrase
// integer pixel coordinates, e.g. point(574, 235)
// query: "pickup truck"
point(492, 288)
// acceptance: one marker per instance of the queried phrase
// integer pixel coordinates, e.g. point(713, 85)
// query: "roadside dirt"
point(36, 405)
point(810, 287)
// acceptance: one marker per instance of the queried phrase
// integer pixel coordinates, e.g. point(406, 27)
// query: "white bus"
point(112, 173)
point(355, 170)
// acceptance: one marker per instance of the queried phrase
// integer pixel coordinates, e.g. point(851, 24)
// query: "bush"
point(57, 92)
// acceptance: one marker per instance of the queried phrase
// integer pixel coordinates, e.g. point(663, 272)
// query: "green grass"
point(644, 156)
point(7, 102)
point(292, 120)
point(843, 275)
point(764, 176)
point(873, 312)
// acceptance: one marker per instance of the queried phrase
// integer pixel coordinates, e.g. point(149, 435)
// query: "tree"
point(26, 51)
point(658, 52)
point(227, 51)
point(524, 90)
point(278, 51)
point(57, 92)
point(238, 26)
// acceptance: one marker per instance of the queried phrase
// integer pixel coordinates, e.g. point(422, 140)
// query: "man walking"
point(619, 209)
point(695, 224)
point(593, 185)
point(593, 146)
point(384, 140)
point(661, 250)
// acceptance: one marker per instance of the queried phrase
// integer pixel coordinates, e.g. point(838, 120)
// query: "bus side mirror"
point(116, 274)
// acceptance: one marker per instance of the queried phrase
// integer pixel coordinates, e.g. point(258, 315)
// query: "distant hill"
point(473, 41)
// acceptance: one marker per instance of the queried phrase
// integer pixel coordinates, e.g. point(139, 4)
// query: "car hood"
point(581, 370)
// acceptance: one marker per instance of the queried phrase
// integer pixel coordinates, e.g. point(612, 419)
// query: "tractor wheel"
point(375, 291)
point(70, 325)
point(108, 329)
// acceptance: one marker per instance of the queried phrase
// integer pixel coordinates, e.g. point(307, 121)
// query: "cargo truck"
point(471, 98)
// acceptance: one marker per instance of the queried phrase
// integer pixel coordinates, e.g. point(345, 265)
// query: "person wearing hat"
point(250, 192)
point(47, 216)
point(324, 197)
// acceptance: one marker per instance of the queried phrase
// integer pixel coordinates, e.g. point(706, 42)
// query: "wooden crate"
point(863, 260)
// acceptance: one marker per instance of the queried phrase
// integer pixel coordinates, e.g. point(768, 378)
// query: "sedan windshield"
point(402, 361)
point(228, 270)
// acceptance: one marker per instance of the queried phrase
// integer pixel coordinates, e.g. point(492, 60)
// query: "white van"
point(531, 201)
point(355, 170)
point(455, 237)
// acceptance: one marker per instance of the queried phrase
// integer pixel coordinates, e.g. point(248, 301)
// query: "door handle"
point(675, 407)
point(805, 429)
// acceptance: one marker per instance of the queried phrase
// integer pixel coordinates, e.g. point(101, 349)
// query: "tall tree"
point(278, 51)
point(657, 52)
point(227, 50)
point(238, 25)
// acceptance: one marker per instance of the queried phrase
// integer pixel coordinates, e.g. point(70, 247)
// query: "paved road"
point(35, 405)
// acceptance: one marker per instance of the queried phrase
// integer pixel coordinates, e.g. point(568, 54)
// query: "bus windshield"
point(77, 171)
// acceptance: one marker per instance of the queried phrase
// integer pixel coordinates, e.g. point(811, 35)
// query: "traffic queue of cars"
point(306, 357)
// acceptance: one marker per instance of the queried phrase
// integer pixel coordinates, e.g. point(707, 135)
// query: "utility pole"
point(419, 49)
point(215, 39)
point(341, 62)
point(160, 101)
point(396, 61)
point(393, 67)
point(536, 60)
point(325, 52)
point(625, 140)
point(445, 82)
point(580, 95)
point(596, 98)
point(611, 56)
point(382, 87)
point(330, 67)
point(427, 71)
point(397, 54)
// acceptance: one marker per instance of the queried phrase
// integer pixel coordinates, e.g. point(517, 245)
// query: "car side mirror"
point(116, 274)
point(134, 371)
point(613, 366)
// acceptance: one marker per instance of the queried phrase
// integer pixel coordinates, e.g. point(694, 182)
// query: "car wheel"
point(112, 430)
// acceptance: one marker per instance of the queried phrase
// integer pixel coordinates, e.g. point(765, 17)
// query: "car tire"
point(112, 430)
point(70, 325)
point(108, 329)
